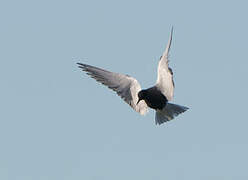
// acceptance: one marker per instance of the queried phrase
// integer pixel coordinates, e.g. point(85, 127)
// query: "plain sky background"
point(56, 123)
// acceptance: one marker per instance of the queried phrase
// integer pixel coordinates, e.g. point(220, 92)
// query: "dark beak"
point(138, 101)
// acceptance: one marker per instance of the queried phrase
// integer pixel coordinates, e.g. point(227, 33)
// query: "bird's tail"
point(169, 112)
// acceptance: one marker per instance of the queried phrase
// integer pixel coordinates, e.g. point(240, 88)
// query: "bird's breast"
point(155, 99)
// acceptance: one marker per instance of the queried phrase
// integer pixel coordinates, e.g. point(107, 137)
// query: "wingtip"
point(81, 66)
point(166, 52)
point(171, 33)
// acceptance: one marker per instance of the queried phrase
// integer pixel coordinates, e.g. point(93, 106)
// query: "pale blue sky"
point(57, 124)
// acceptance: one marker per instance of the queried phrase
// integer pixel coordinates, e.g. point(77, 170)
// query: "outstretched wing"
point(125, 86)
point(165, 81)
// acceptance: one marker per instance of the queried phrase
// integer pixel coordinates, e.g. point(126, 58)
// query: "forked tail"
point(169, 112)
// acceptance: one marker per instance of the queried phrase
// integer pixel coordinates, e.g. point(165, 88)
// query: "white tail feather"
point(169, 112)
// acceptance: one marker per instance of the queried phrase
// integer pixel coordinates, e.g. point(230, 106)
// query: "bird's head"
point(141, 95)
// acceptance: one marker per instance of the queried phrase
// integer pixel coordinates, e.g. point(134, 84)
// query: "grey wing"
point(165, 81)
point(125, 86)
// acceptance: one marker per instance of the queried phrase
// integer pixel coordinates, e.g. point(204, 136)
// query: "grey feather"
point(125, 86)
point(169, 112)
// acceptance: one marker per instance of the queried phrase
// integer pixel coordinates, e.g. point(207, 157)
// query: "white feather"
point(125, 86)
point(165, 76)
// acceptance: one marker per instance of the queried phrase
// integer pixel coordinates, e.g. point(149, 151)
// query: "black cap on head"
point(141, 95)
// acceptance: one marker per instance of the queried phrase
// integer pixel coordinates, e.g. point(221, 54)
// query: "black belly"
point(155, 99)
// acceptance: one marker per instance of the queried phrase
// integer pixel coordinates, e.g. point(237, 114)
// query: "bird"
point(129, 89)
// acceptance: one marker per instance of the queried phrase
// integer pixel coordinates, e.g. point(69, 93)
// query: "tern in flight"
point(128, 88)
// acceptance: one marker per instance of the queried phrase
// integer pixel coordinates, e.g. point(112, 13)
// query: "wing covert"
point(125, 86)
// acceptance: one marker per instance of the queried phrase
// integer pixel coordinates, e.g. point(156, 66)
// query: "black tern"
point(128, 88)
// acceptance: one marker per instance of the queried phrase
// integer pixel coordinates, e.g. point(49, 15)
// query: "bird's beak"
point(138, 101)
